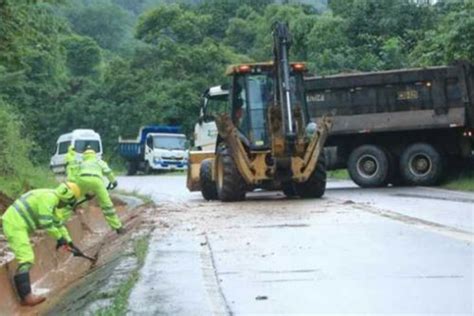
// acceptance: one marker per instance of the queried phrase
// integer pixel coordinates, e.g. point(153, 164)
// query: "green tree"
point(108, 24)
point(174, 23)
point(452, 40)
point(83, 55)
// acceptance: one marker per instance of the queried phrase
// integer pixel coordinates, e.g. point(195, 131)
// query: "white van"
point(80, 139)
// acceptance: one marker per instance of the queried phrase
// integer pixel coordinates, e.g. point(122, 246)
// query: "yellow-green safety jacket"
point(72, 164)
point(70, 155)
point(96, 168)
point(39, 209)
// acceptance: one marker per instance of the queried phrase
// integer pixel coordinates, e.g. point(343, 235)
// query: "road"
point(378, 251)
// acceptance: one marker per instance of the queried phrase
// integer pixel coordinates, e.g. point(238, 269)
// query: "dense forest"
point(114, 65)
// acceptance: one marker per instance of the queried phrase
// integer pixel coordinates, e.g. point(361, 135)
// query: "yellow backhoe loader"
point(266, 140)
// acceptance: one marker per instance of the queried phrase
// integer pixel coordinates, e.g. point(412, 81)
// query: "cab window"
point(214, 107)
point(63, 147)
point(239, 112)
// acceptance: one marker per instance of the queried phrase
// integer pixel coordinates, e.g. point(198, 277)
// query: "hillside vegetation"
point(114, 65)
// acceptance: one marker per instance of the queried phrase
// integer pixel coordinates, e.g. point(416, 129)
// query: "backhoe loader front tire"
point(315, 186)
point(230, 184)
point(289, 189)
point(208, 186)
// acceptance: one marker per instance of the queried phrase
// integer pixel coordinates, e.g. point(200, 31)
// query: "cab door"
point(205, 130)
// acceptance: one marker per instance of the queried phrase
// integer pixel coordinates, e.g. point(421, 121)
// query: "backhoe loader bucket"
point(194, 165)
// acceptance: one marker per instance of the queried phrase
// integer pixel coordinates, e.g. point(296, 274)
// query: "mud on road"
point(354, 251)
point(345, 253)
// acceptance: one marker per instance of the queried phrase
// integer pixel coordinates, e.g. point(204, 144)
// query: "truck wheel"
point(289, 189)
point(208, 186)
point(131, 168)
point(421, 164)
point(368, 166)
point(148, 169)
point(230, 184)
point(315, 186)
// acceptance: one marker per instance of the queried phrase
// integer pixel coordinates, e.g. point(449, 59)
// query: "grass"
point(463, 181)
point(120, 302)
point(140, 249)
point(12, 186)
point(339, 174)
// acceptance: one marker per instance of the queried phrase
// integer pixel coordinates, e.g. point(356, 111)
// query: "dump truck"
point(157, 147)
point(267, 140)
point(399, 126)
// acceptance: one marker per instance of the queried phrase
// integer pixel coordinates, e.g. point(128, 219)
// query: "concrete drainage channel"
point(105, 290)
point(74, 285)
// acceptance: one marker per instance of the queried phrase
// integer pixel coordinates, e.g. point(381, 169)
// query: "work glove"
point(113, 185)
point(62, 243)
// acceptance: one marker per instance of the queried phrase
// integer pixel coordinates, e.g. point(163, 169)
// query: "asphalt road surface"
point(356, 251)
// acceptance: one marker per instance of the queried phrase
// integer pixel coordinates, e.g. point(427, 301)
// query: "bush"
point(17, 172)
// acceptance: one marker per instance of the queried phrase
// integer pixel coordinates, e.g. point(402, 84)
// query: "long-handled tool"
point(76, 252)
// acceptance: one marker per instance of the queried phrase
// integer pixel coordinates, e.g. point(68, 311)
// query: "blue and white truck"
point(157, 147)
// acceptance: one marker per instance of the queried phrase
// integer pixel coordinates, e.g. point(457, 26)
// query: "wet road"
point(377, 251)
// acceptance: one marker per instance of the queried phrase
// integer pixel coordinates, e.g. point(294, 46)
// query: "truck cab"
point(157, 147)
point(165, 151)
point(215, 100)
point(80, 139)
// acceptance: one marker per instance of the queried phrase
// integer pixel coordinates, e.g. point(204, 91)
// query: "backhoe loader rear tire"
point(230, 184)
point(315, 186)
point(208, 186)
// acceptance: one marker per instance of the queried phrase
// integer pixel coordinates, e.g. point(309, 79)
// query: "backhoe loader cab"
point(253, 93)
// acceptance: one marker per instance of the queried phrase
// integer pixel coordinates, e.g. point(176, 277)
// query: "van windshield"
point(82, 144)
point(169, 142)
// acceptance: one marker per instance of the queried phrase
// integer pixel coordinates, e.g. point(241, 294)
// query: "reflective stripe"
point(25, 217)
point(29, 210)
point(109, 212)
point(46, 217)
point(90, 175)
point(47, 226)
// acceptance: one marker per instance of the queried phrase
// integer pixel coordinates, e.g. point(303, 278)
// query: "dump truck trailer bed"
point(387, 113)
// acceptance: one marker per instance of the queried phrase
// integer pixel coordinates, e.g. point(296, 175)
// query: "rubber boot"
point(23, 286)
